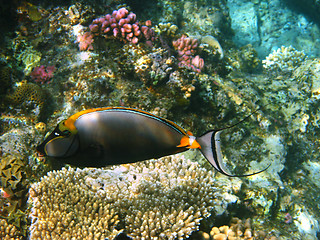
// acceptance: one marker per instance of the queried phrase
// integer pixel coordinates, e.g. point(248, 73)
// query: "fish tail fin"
point(211, 150)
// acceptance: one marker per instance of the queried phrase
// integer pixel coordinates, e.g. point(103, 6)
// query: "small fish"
point(116, 135)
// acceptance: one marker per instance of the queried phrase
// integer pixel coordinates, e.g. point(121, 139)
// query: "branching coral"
point(121, 25)
point(9, 231)
point(285, 59)
point(155, 199)
point(187, 48)
point(239, 230)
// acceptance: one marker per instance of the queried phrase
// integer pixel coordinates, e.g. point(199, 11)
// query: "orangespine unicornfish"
point(116, 135)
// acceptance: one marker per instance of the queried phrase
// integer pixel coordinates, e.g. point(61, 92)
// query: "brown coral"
point(9, 231)
point(238, 230)
point(14, 187)
point(29, 97)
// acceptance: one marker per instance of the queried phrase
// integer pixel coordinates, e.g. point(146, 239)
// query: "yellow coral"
point(155, 199)
point(142, 64)
point(28, 96)
point(168, 29)
point(9, 231)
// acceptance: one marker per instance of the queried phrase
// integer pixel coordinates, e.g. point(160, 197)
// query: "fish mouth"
point(40, 150)
point(40, 154)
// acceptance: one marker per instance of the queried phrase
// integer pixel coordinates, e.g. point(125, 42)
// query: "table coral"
point(155, 199)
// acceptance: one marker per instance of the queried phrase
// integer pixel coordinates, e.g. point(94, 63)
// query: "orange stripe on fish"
point(189, 141)
point(184, 142)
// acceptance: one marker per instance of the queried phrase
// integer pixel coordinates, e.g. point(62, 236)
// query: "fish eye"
point(56, 134)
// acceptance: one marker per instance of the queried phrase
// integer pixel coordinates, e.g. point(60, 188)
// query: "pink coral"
point(186, 48)
point(42, 74)
point(85, 41)
point(121, 25)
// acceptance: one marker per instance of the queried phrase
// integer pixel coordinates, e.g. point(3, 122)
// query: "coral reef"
point(124, 71)
point(13, 179)
point(14, 185)
point(211, 18)
point(187, 48)
point(9, 231)
point(42, 74)
point(148, 200)
point(26, 54)
point(5, 79)
point(166, 29)
point(29, 97)
point(284, 59)
point(214, 44)
point(260, 24)
point(85, 41)
point(121, 25)
point(239, 230)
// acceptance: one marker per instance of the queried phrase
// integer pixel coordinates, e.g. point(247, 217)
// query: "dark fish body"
point(116, 135)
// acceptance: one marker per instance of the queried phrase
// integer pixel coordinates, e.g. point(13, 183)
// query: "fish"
point(105, 136)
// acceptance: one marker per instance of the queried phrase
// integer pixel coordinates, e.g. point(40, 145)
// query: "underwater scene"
point(160, 119)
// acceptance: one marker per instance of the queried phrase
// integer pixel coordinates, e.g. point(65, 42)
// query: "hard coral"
point(28, 96)
point(187, 48)
point(14, 184)
point(42, 74)
point(284, 59)
point(155, 199)
point(238, 230)
point(9, 231)
point(121, 25)
point(85, 41)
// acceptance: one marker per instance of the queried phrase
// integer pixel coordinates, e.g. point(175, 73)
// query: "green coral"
point(25, 54)
point(167, 29)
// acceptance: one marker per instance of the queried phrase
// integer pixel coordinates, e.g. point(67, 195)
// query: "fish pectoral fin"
point(184, 142)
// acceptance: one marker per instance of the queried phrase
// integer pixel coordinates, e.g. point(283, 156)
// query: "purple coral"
point(122, 25)
point(42, 74)
point(187, 48)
